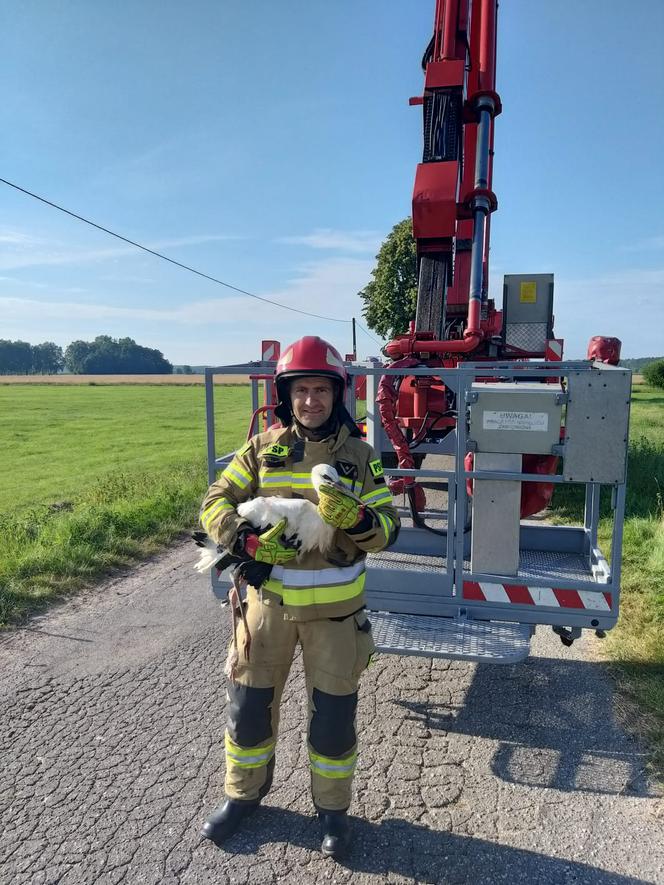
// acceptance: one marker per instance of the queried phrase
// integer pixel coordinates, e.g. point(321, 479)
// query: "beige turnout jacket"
point(279, 462)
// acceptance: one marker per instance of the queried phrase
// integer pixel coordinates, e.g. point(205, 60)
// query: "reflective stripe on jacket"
point(278, 462)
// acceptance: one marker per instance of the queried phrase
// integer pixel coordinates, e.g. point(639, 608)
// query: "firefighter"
point(312, 601)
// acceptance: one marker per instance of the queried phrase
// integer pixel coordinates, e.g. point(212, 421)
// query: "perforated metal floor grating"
point(407, 562)
point(551, 564)
point(497, 642)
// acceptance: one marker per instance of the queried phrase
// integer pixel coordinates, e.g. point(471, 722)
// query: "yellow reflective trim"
point(235, 464)
point(378, 496)
point(237, 474)
point(302, 480)
point(216, 507)
point(274, 479)
point(325, 766)
point(385, 523)
point(299, 596)
point(274, 586)
point(248, 757)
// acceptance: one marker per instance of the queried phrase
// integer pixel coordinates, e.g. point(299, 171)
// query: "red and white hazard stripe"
point(520, 594)
point(554, 349)
point(270, 350)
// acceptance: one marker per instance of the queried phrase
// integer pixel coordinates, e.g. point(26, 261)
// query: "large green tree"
point(21, 358)
point(47, 358)
point(390, 298)
point(110, 356)
point(15, 357)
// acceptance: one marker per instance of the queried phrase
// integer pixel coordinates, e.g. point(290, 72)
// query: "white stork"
point(305, 530)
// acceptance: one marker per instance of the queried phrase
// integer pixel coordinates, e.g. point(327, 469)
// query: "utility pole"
point(354, 341)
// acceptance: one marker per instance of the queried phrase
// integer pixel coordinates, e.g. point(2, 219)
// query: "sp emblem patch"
point(275, 451)
point(274, 455)
point(376, 468)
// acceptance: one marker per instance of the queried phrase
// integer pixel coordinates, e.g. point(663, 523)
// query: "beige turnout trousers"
point(335, 652)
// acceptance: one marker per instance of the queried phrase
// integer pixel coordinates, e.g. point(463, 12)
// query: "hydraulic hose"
point(387, 399)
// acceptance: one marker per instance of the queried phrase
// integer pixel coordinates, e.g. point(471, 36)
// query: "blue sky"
point(272, 145)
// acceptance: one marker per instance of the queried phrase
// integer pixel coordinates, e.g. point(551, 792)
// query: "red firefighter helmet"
point(310, 355)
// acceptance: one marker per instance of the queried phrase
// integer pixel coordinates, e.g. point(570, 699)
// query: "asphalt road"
point(111, 755)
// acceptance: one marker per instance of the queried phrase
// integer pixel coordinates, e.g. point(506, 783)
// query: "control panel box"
point(528, 311)
point(516, 417)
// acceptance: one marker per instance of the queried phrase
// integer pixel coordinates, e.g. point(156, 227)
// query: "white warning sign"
point(535, 421)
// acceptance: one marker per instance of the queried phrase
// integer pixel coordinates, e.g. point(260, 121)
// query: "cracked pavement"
point(111, 747)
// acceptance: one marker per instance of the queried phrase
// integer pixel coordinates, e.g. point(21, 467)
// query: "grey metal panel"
point(431, 584)
point(220, 583)
point(596, 425)
point(519, 289)
point(392, 571)
point(496, 507)
point(459, 638)
point(531, 614)
point(515, 417)
point(419, 542)
point(446, 446)
point(560, 538)
point(375, 434)
point(209, 423)
point(413, 603)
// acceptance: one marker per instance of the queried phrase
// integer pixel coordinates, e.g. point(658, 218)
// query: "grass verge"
point(95, 478)
point(636, 645)
point(49, 552)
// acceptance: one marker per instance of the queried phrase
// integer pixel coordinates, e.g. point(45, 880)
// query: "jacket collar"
point(334, 442)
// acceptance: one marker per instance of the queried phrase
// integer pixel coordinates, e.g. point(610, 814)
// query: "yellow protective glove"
point(337, 508)
point(268, 548)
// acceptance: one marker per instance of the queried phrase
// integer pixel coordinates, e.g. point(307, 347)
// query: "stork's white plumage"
point(209, 554)
point(305, 526)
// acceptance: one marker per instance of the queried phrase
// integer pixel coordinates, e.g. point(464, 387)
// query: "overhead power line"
point(360, 326)
point(170, 260)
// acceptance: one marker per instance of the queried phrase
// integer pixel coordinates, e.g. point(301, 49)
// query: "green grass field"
point(59, 441)
point(95, 477)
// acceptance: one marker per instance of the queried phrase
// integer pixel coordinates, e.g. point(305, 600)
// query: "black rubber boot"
point(226, 819)
point(335, 830)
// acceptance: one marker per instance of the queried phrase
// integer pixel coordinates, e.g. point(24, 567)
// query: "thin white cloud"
point(15, 238)
point(26, 251)
point(328, 287)
point(193, 240)
point(648, 244)
point(353, 241)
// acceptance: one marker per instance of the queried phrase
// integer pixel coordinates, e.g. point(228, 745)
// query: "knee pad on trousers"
point(249, 714)
point(332, 729)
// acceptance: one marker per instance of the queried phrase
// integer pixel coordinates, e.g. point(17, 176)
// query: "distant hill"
point(189, 370)
point(637, 365)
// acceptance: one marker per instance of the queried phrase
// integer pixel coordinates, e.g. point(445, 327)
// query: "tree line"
point(103, 356)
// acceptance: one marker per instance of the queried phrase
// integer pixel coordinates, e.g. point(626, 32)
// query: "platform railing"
point(546, 590)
